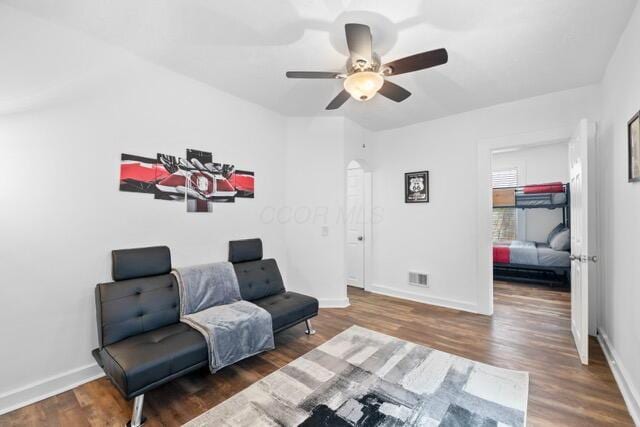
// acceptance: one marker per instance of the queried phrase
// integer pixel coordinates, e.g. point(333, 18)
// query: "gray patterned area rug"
point(364, 378)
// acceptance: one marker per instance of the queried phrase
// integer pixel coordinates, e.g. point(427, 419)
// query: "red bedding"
point(550, 187)
point(501, 254)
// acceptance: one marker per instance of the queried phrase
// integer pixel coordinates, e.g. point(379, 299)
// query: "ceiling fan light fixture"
point(366, 73)
point(363, 85)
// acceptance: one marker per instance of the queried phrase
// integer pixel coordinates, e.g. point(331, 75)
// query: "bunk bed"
point(534, 262)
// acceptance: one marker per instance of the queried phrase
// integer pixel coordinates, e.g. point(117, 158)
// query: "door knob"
point(583, 258)
point(360, 238)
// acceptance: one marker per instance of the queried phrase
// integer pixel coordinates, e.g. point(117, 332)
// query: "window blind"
point(505, 178)
point(505, 220)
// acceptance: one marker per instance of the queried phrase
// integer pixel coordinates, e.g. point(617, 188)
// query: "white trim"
point(425, 299)
point(354, 284)
point(334, 302)
point(56, 384)
point(625, 384)
point(368, 228)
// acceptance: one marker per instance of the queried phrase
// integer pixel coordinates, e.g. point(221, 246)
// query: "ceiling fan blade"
point(419, 61)
point(338, 100)
point(313, 75)
point(394, 92)
point(359, 41)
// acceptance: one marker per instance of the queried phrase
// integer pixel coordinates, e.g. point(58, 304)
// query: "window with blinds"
point(505, 220)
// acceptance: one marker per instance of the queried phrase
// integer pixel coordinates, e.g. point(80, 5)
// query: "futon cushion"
point(142, 360)
point(134, 306)
point(140, 262)
point(288, 308)
point(259, 279)
point(245, 250)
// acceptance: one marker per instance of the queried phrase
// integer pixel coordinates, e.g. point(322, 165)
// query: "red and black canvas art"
point(225, 191)
point(200, 181)
point(195, 179)
point(243, 182)
point(171, 183)
point(137, 173)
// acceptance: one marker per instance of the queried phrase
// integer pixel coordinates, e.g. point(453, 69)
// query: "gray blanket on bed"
point(210, 302)
point(522, 252)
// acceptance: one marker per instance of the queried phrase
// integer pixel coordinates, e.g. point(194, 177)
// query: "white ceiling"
point(499, 50)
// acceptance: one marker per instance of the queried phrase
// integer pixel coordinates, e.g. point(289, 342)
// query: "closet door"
point(355, 259)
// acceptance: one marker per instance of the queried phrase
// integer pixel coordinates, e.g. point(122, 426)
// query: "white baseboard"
point(334, 302)
point(625, 383)
point(39, 390)
point(418, 297)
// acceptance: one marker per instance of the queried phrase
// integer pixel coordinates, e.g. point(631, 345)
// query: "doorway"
point(531, 208)
point(582, 313)
point(358, 224)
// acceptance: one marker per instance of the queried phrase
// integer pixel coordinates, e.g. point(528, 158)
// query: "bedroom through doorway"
point(531, 217)
point(531, 223)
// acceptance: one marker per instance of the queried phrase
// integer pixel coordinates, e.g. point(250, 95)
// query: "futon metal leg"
point(136, 417)
point(310, 330)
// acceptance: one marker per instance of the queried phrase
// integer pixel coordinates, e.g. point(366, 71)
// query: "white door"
point(579, 148)
point(355, 227)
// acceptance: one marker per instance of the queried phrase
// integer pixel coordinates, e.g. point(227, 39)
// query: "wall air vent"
point(418, 279)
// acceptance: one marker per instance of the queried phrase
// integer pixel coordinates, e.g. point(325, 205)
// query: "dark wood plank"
point(528, 331)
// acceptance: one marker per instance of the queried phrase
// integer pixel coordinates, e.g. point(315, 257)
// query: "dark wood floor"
point(529, 331)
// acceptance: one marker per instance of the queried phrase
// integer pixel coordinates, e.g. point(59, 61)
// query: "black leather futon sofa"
point(143, 344)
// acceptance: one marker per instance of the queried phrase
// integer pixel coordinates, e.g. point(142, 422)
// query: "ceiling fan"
point(365, 74)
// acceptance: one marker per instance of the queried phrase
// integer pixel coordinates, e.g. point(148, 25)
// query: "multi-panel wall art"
point(194, 178)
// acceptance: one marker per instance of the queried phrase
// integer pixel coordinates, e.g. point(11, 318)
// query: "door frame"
point(368, 220)
point(484, 241)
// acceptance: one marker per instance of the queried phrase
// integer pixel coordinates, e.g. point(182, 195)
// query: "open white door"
point(581, 201)
point(355, 228)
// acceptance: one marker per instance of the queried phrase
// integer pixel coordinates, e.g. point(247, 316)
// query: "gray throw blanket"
point(210, 302)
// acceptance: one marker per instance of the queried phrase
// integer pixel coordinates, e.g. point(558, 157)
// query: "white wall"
point(619, 210)
point(312, 215)
point(356, 140)
point(536, 165)
point(62, 213)
point(440, 237)
point(318, 151)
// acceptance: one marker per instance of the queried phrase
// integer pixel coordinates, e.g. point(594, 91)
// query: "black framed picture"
point(416, 187)
point(633, 130)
